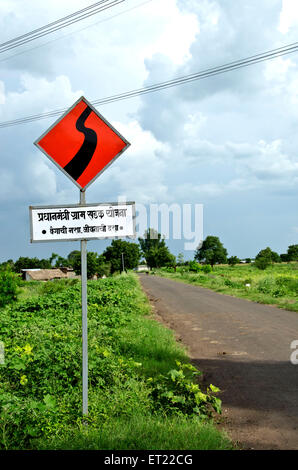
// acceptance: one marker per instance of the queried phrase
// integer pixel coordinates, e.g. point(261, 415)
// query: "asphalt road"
point(242, 347)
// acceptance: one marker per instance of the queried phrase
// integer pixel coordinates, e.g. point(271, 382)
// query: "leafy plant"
point(176, 392)
point(206, 268)
point(194, 266)
point(262, 262)
point(233, 260)
point(9, 283)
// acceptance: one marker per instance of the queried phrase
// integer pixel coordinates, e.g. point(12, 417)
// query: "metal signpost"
point(84, 317)
point(82, 144)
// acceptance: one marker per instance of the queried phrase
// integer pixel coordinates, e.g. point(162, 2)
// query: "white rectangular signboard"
point(82, 222)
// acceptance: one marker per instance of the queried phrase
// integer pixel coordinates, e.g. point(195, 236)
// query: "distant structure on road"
point(142, 268)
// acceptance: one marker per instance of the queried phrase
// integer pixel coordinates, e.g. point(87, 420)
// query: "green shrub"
point(262, 262)
point(233, 260)
point(170, 269)
point(233, 284)
point(206, 268)
point(289, 283)
point(176, 393)
point(194, 266)
point(269, 286)
point(9, 283)
point(266, 285)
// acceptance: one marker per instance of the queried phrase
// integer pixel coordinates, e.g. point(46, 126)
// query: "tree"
point(7, 265)
point(262, 262)
point(120, 248)
point(212, 251)
point(72, 256)
point(180, 259)
point(53, 257)
point(61, 262)
point(155, 251)
point(293, 253)
point(92, 261)
point(9, 282)
point(267, 253)
point(233, 260)
point(31, 263)
point(103, 267)
point(284, 257)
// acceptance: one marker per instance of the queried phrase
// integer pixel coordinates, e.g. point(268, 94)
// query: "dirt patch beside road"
point(242, 347)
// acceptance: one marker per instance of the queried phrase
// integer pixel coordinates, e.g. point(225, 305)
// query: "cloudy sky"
point(229, 142)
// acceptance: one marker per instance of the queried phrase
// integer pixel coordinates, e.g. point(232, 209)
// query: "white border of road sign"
point(82, 98)
point(64, 220)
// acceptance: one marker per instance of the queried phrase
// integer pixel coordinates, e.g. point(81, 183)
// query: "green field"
point(143, 392)
point(277, 285)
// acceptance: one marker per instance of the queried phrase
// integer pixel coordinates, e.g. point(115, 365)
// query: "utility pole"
point(123, 267)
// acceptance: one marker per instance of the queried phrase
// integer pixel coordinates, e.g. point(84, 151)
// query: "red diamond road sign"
point(82, 143)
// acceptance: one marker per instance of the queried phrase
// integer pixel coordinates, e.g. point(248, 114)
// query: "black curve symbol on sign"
point(82, 158)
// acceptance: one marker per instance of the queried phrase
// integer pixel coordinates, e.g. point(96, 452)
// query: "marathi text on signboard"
point(77, 222)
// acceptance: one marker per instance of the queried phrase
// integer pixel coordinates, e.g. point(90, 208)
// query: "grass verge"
point(277, 285)
point(144, 433)
point(142, 389)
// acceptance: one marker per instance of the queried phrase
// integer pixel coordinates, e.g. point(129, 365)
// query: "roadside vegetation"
point(275, 285)
point(143, 391)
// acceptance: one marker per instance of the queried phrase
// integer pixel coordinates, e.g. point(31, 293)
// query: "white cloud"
point(271, 163)
point(140, 173)
point(288, 15)
point(277, 70)
point(35, 94)
point(177, 34)
point(2, 93)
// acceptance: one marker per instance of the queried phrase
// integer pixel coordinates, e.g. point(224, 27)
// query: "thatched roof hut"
point(43, 274)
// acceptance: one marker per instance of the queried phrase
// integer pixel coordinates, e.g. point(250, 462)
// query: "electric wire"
point(58, 24)
point(26, 51)
point(231, 66)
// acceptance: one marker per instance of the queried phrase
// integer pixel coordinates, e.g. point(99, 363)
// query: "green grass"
point(133, 401)
point(145, 433)
point(151, 344)
point(29, 289)
point(277, 285)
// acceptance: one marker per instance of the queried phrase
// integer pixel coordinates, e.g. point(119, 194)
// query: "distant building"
point(69, 272)
point(141, 268)
point(47, 274)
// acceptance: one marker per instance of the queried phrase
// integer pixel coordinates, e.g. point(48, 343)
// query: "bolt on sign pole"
point(84, 316)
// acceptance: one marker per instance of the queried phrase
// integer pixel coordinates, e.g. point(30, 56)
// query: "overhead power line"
point(59, 24)
point(90, 25)
point(274, 53)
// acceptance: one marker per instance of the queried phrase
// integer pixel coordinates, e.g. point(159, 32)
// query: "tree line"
point(116, 257)
point(152, 250)
point(213, 252)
